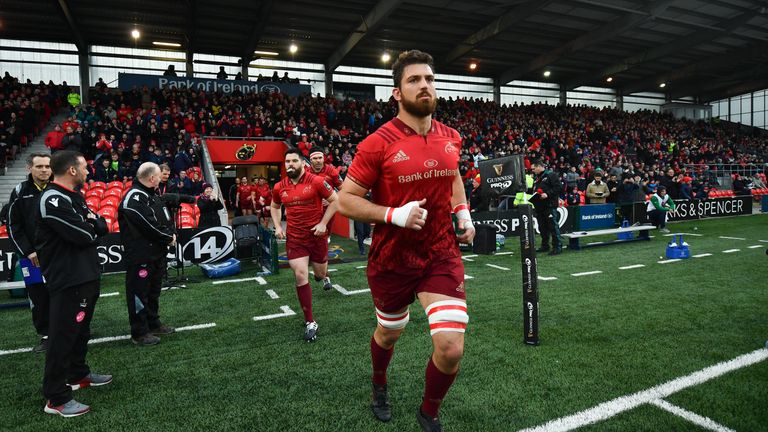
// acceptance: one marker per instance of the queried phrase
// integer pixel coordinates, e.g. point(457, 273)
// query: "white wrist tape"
point(399, 215)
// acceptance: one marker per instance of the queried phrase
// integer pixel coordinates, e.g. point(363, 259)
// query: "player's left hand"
point(319, 229)
point(469, 232)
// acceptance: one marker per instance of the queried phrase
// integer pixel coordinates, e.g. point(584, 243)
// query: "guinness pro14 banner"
point(503, 176)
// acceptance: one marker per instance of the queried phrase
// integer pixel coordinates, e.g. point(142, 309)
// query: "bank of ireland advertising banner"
point(127, 81)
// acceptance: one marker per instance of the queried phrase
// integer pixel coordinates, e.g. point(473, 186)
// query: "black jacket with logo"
point(66, 238)
point(23, 206)
point(145, 227)
point(548, 182)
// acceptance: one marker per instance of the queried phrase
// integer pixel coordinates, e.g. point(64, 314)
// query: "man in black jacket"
point(146, 234)
point(547, 188)
point(65, 241)
point(21, 230)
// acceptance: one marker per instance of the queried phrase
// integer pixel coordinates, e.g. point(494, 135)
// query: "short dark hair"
point(31, 157)
point(407, 58)
point(537, 162)
point(63, 160)
point(292, 150)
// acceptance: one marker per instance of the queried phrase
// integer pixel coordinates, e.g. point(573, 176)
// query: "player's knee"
point(449, 351)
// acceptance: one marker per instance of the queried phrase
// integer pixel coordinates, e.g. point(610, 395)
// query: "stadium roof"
point(705, 48)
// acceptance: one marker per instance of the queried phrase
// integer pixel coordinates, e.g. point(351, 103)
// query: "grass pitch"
point(603, 336)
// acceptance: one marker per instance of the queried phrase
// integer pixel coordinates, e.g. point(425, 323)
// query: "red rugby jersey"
point(245, 193)
point(331, 175)
point(399, 166)
point(303, 202)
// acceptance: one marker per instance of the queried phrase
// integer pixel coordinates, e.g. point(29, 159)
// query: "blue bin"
point(625, 235)
point(678, 248)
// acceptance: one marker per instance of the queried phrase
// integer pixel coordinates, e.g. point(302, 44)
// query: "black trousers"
point(549, 227)
point(362, 231)
point(658, 218)
point(70, 329)
point(39, 302)
point(142, 294)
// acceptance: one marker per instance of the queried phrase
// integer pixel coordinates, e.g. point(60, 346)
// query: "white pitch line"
point(344, 291)
point(625, 403)
point(360, 267)
point(272, 294)
point(235, 280)
point(763, 241)
point(330, 270)
point(692, 417)
point(688, 234)
point(669, 261)
point(286, 311)
point(468, 256)
point(594, 243)
point(503, 253)
point(261, 280)
point(755, 246)
point(109, 294)
point(466, 276)
point(497, 267)
point(732, 238)
point(586, 273)
point(547, 278)
point(633, 266)
point(115, 338)
point(731, 250)
point(468, 259)
point(702, 255)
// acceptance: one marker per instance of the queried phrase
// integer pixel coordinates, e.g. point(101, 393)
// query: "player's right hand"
point(417, 216)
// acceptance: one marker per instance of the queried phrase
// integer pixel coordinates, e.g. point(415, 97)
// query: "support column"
point(563, 97)
point(244, 68)
point(619, 100)
point(85, 74)
point(328, 83)
point(496, 91)
point(190, 72)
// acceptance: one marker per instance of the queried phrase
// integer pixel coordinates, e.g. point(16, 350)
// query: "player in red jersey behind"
point(411, 166)
point(302, 194)
point(331, 176)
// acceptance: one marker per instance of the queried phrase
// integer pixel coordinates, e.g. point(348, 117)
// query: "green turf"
point(602, 336)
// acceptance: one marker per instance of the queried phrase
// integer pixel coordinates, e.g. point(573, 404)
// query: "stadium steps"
point(17, 172)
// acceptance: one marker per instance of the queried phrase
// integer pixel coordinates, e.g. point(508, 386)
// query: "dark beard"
point(419, 109)
point(295, 174)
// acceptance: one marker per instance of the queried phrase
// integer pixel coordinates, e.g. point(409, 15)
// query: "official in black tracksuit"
point(22, 211)
point(546, 189)
point(146, 234)
point(66, 240)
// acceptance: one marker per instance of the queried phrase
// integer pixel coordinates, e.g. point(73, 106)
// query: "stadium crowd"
point(644, 148)
point(635, 152)
point(25, 108)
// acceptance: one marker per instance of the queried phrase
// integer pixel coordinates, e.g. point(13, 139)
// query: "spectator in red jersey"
point(302, 193)
point(53, 139)
point(411, 166)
